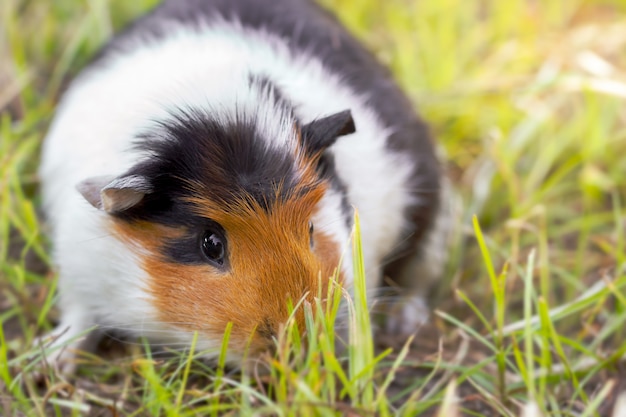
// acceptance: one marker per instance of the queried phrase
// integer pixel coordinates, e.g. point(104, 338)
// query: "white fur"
point(410, 309)
point(109, 104)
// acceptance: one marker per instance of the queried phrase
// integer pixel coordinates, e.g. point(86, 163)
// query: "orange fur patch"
point(270, 262)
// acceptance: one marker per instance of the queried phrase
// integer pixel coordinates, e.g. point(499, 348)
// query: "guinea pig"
point(203, 170)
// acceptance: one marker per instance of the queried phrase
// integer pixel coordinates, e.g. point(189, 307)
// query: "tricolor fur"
point(253, 119)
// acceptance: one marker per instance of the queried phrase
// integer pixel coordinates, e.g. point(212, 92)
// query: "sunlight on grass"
point(526, 101)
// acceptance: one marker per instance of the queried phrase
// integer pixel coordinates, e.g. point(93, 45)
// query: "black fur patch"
point(321, 133)
point(228, 159)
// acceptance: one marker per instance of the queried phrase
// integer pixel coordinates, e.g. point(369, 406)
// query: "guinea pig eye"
point(213, 247)
point(311, 233)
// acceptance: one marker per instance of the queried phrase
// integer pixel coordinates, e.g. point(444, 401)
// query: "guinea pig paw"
point(407, 315)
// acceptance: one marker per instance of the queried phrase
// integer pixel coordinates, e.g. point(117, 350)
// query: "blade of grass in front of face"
point(305, 375)
point(156, 396)
point(288, 354)
point(323, 324)
point(361, 350)
point(221, 363)
point(185, 376)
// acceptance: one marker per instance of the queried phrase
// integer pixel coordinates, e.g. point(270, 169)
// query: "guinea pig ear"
point(322, 133)
point(115, 195)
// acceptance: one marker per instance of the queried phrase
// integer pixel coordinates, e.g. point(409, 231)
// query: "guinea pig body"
point(203, 169)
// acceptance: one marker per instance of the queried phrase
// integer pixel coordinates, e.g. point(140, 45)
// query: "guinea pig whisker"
point(95, 238)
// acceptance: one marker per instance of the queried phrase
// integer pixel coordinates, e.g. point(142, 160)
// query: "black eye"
point(311, 233)
point(213, 247)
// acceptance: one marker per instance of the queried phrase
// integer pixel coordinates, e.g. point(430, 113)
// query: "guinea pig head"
point(224, 225)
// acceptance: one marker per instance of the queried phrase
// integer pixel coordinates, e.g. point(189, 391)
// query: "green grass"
point(526, 99)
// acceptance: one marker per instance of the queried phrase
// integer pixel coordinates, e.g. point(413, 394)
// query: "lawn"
point(526, 100)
